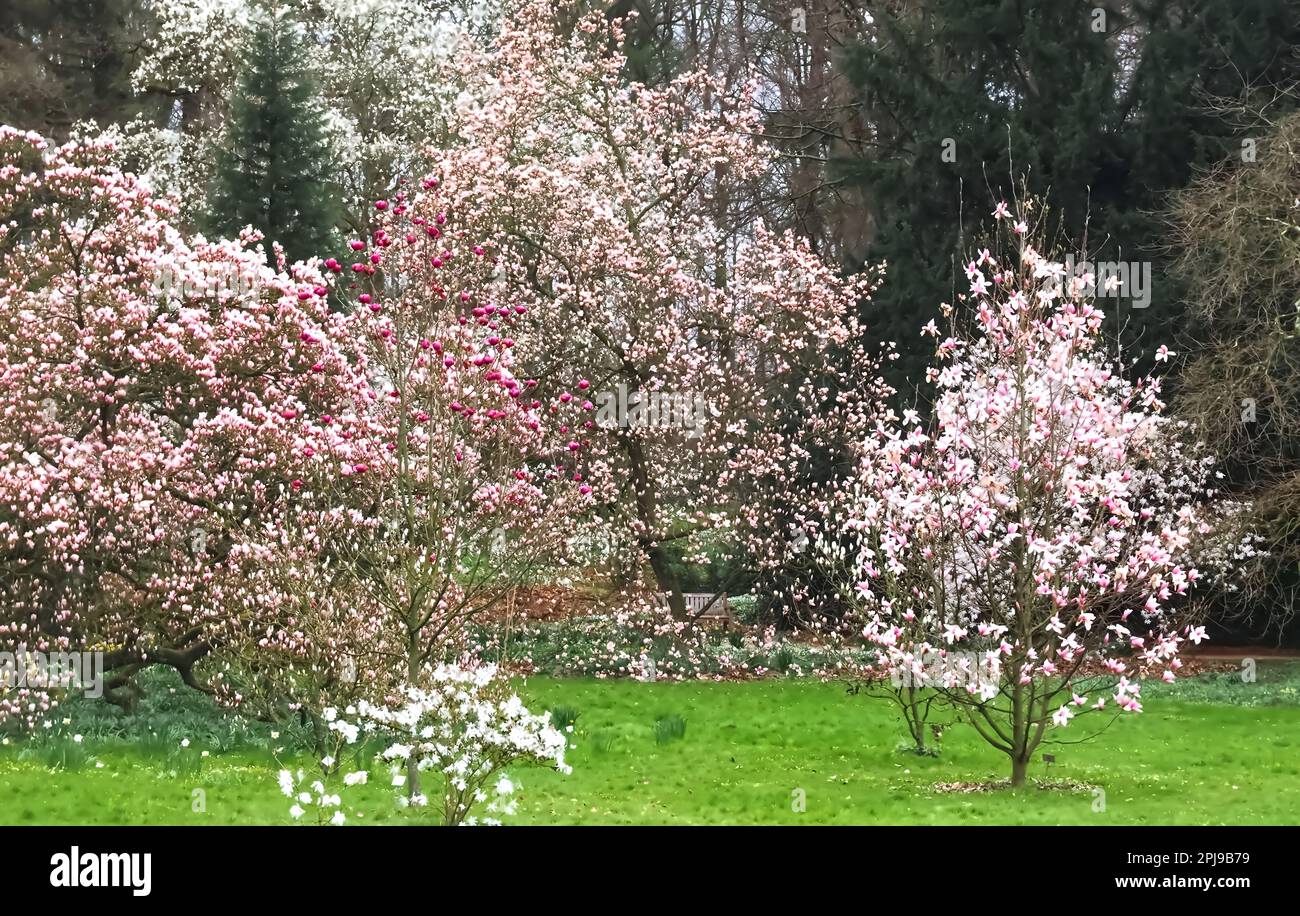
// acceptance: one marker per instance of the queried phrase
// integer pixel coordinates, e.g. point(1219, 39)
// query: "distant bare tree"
point(1235, 234)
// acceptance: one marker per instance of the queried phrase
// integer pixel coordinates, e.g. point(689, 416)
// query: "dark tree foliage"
point(1098, 109)
point(653, 55)
point(273, 171)
point(63, 61)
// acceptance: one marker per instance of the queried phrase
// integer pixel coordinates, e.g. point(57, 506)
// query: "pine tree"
point(1099, 110)
point(274, 167)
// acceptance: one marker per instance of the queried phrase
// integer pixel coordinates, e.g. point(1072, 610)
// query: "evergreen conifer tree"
point(273, 170)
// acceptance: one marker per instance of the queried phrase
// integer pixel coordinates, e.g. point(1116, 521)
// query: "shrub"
point(462, 730)
point(745, 609)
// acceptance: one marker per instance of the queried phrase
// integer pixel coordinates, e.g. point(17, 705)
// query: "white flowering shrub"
point(463, 730)
point(459, 732)
point(316, 797)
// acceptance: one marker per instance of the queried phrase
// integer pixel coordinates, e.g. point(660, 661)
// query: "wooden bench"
point(704, 606)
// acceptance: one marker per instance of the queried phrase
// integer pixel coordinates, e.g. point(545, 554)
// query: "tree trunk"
point(318, 737)
point(1019, 766)
point(914, 715)
point(1019, 736)
point(412, 776)
point(667, 580)
point(666, 577)
point(413, 671)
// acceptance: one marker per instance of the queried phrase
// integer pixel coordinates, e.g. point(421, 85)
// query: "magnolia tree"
point(1025, 553)
point(468, 504)
point(668, 327)
point(152, 386)
point(202, 460)
point(428, 501)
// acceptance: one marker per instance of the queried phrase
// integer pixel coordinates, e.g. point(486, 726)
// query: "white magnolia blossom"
point(327, 805)
point(466, 726)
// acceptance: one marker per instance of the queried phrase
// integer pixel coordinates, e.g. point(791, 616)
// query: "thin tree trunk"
point(1020, 749)
point(914, 716)
point(412, 762)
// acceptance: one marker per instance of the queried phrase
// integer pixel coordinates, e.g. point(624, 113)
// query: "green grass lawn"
point(1206, 754)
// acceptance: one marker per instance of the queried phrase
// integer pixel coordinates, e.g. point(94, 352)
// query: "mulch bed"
point(542, 603)
point(1000, 785)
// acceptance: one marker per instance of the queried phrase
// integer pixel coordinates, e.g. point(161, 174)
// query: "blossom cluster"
point(314, 795)
point(462, 728)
